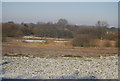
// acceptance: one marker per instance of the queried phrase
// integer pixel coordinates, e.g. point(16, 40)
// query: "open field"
point(59, 40)
point(37, 49)
point(22, 60)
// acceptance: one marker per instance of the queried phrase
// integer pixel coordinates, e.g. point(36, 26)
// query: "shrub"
point(117, 44)
point(107, 44)
point(83, 40)
point(4, 39)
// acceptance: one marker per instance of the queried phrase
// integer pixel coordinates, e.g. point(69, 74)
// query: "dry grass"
point(30, 49)
point(101, 43)
point(16, 46)
point(19, 42)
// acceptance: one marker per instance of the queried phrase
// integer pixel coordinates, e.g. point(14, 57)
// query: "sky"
point(60, 0)
point(80, 13)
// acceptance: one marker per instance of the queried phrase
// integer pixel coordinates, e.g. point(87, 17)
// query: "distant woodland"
point(82, 35)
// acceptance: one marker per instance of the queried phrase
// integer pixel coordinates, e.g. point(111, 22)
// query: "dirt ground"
point(35, 49)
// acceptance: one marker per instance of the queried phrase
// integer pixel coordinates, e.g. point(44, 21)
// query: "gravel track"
point(60, 67)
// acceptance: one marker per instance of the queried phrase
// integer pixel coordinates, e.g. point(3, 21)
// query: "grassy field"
point(18, 47)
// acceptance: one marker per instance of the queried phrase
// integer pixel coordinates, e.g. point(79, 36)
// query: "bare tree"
point(101, 28)
point(62, 22)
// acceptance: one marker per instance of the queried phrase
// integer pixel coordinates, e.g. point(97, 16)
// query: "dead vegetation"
point(19, 48)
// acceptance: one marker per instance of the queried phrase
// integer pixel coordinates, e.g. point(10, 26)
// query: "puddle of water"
point(44, 41)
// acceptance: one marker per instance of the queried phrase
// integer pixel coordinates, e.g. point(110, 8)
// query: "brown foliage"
point(83, 40)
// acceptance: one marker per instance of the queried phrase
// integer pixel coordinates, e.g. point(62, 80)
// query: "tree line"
point(61, 29)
